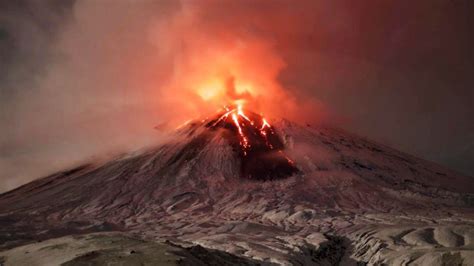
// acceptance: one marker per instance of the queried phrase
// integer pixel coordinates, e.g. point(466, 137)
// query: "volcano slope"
point(300, 195)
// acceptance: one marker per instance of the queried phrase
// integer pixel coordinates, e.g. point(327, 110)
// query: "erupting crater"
point(258, 145)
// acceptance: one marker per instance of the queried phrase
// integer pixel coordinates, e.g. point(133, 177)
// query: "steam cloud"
point(87, 78)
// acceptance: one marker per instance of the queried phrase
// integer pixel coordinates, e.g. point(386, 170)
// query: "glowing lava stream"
point(244, 141)
point(237, 115)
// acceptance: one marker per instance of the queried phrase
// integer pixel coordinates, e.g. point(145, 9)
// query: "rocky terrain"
point(343, 200)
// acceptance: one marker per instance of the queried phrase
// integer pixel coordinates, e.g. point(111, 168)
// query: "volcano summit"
point(261, 149)
point(236, 189)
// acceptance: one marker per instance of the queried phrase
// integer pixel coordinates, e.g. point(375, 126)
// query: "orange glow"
point(213, 66)
point(229, 71)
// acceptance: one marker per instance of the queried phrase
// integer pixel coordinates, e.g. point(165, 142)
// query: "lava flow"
point(240, 121)
point(259, 146)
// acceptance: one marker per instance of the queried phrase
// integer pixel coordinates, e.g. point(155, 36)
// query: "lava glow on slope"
point(259, 146)
point(240, 120)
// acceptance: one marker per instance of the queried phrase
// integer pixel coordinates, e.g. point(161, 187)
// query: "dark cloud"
point(401, 72)
point(85, 78)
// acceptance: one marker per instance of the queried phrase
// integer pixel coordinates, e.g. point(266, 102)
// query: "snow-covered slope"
point(346, 199)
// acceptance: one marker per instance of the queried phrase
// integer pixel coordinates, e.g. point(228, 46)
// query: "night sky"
point(399, 72)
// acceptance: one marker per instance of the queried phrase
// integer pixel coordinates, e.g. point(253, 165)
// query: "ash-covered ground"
point(302, 195)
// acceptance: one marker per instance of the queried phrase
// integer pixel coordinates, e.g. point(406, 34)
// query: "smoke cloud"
point(83, 79)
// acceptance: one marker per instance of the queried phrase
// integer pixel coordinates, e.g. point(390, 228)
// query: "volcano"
point(235, 189)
